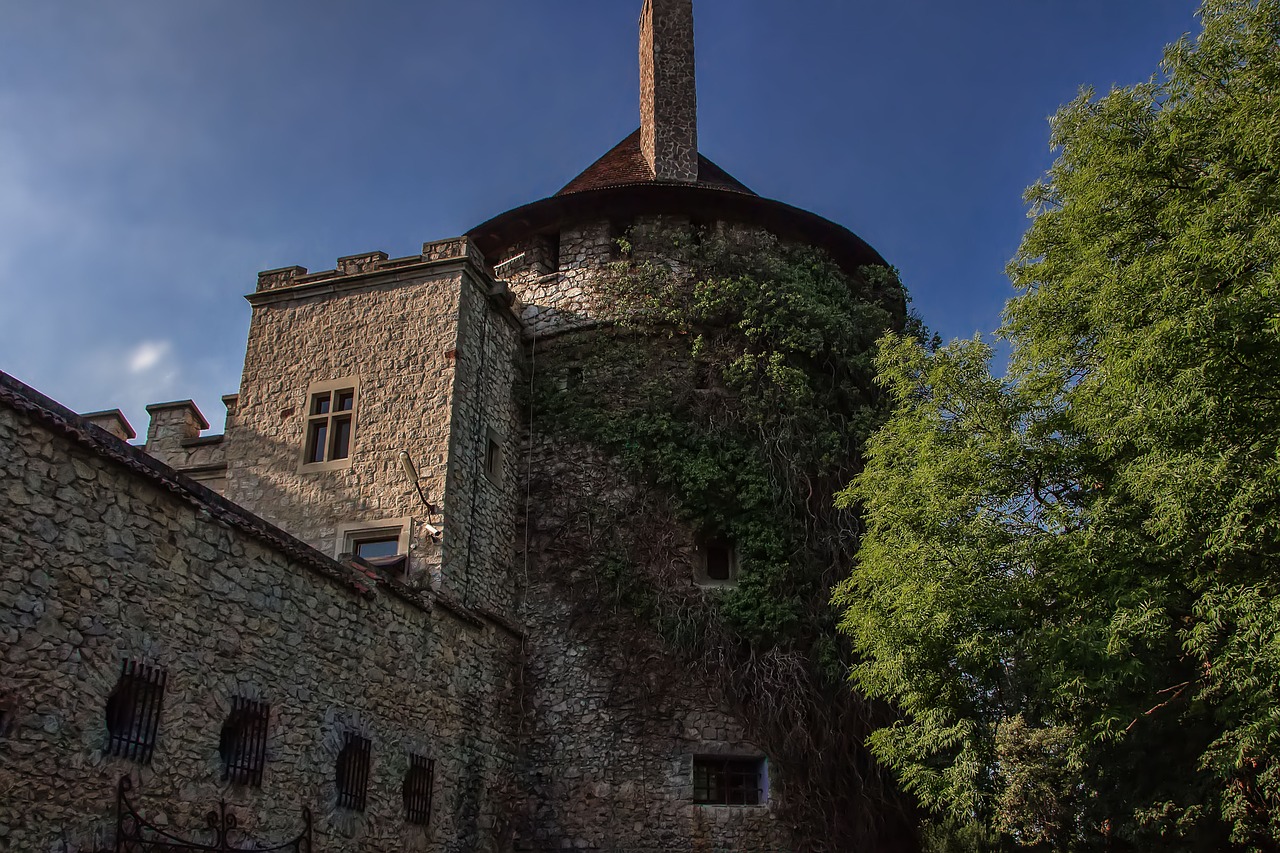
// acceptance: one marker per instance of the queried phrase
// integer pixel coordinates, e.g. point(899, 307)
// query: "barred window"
point(418, 781)
point(133, 711)
point(352, 772)
point(243, 744)
point(720, 781)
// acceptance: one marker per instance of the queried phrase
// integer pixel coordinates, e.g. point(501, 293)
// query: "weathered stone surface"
point(235, 617)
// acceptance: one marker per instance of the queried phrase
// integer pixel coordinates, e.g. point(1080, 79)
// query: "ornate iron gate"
point(134, 834)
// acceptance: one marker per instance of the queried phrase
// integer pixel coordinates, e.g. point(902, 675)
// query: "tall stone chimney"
point(668, 90)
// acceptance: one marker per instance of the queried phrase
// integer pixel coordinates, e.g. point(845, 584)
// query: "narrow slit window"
point(133, 711)
point(418, 782)
point(493, 458)
point(243, 744)
point(352, 772)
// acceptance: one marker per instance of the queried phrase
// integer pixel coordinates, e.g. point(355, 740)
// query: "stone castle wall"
point(111, 557)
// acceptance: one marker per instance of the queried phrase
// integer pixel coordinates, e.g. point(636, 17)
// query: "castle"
point(345, 618)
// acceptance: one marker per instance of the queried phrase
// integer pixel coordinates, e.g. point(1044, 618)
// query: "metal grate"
point(243, 744)
point(133, 711)
point(418, 781)
point(727, 781)
point(352, 772)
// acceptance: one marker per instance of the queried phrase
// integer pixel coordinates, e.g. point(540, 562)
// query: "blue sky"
point(155, 155)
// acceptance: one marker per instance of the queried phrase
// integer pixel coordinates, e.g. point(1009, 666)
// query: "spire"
point(668, 90)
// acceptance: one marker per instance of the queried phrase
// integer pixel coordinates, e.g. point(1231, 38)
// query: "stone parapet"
point(370, 263)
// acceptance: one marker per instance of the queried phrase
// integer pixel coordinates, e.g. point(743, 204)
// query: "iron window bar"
point(133, 711)
point(352, 772)
point(418, 782)
point(243, 744)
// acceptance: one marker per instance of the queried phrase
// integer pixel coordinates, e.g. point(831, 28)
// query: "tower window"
point(133, 711)
point(718, 563)
point(243, 744)
point(418, 781)
point(493, 458)
point(720, 781)
point(330, 428)
point(351, 776)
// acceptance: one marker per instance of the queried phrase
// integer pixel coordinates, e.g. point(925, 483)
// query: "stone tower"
point(402, 554)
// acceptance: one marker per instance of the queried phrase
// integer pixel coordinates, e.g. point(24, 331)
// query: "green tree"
point(1068, 582)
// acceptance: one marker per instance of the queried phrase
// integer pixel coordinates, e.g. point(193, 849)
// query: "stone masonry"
point(110, 557)
point(668, 90)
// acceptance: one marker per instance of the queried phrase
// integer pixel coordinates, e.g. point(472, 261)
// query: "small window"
point(330, 424)
point(243, 744)
point(619, 234)
point(720, 781)
point(418, 781)
point(382, 544)
point(351, 775)
point(493, 458)
point(133, 711)
point(718, 563)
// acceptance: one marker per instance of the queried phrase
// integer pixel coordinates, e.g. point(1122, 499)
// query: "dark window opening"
point(719, 556)
point(552, 250)
point(418, 781)
point(493, 459)
point(316, 441)
point(133, 711)
point(243, 744)
point(341, 448)
point(728, 781)
point(351, 775)
point(702, 379)
point(619, 233)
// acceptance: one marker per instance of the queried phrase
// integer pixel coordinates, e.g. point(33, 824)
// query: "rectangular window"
point(243, 744)
point(718, 563)
point(133, 711)
point(493, 458)
point(351, 776)
point(383, 544)
point(418, 781)
point(721, 781)
point(330, 427)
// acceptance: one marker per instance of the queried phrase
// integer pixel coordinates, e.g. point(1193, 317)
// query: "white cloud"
point(148, 354)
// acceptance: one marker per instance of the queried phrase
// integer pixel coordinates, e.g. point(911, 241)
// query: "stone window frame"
point(492, 456)
point(349, 383)
point(761, 772)
point(701, 575)
point(349, 533)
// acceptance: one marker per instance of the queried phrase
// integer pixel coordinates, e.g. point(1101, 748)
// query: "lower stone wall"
point(103, 564)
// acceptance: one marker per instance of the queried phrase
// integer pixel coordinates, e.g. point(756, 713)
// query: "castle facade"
point(351, 621)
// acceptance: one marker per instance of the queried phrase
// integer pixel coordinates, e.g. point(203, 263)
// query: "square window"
point(330, 427)
point(729, 781)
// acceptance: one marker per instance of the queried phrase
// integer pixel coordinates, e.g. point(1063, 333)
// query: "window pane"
point(316, 441)
point(341, 438)
point(373, 548)
point(346, 400)
point(320, 404)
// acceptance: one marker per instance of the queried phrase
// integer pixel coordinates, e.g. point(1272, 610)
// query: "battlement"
point(370, 263)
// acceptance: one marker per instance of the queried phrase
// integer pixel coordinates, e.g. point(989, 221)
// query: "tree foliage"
point(1069, 578)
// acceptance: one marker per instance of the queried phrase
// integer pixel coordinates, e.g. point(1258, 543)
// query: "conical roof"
point(624, 165)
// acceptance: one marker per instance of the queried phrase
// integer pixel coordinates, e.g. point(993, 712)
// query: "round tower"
point(698, 388)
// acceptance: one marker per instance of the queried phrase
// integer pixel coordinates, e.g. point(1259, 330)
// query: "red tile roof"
point(625, 164)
